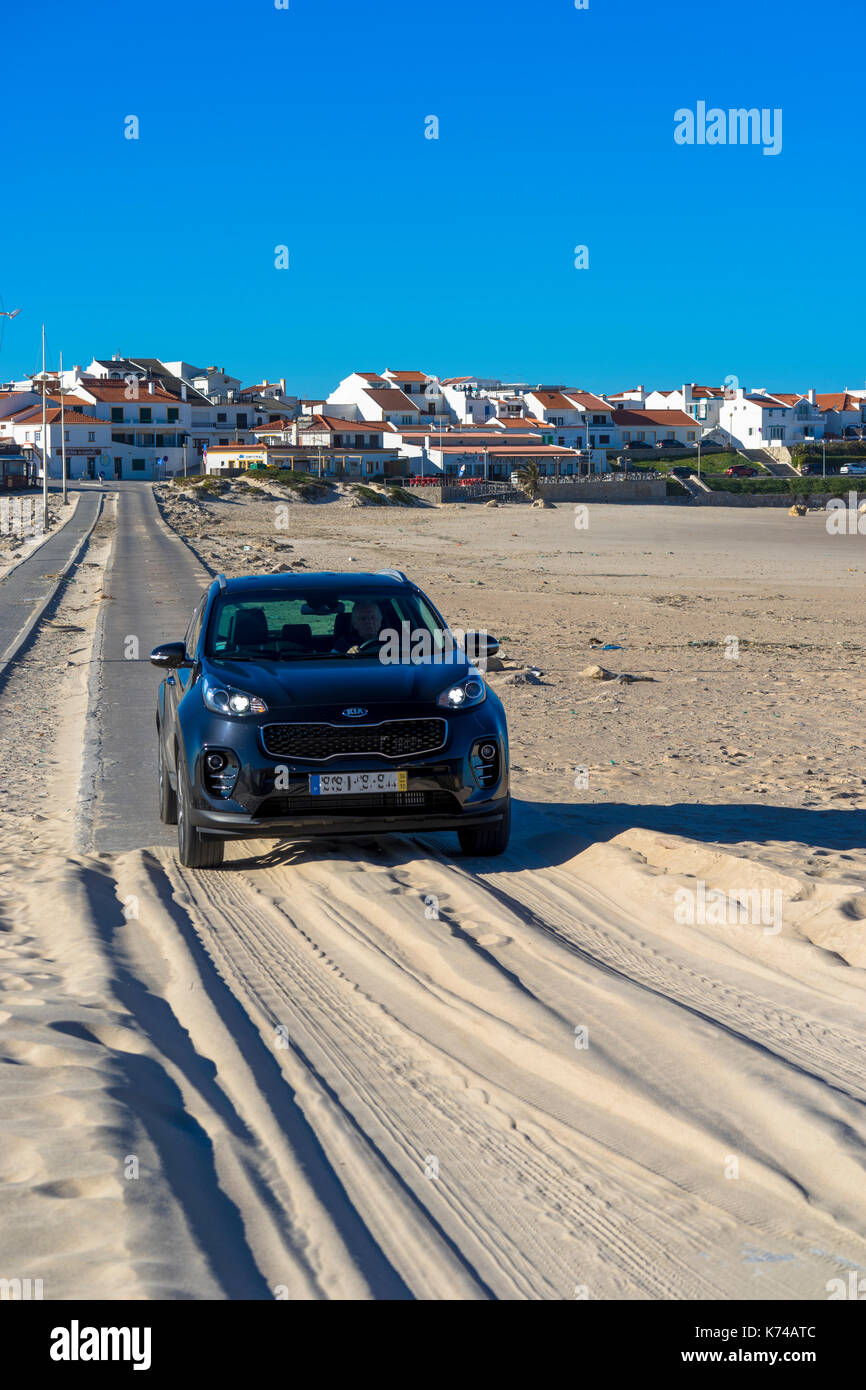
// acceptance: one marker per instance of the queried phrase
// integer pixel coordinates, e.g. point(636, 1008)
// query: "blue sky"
point(305, 127)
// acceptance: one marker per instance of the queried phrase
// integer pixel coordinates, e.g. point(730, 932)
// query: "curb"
point(47, 537)
point(15, 646)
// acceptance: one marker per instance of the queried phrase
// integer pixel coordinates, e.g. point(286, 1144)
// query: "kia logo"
point(354, 713)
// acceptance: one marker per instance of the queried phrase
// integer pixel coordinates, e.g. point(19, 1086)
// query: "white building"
point(702, 403)
point(754, 420)
point(653, 427)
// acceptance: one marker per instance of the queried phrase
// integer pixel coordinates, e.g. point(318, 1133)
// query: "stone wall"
point(585, 490)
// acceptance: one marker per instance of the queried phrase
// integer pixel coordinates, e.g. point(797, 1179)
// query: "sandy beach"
point(330, 1071)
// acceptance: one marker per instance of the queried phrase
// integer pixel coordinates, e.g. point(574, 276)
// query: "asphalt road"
point(154, 581)
point(28, 586)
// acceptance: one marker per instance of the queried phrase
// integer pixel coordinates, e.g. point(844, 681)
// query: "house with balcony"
point(701, 403)
point(425, 389)
point(148, 426)
point(756, 420)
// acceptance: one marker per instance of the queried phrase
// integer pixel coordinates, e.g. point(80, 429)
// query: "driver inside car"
point(365, 626)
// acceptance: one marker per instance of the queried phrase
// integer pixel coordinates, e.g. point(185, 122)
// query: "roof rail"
point(221, 580)
point(395, 574)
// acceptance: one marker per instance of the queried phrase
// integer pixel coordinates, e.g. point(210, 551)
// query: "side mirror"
point(480, 644)
point(170, 655)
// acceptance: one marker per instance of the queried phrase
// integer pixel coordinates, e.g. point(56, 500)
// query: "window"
point(66, 435)
point(117, 414)
point(145, 414)
point(138, 465)
point(240, 419)
point(172, 415)
point(38, 436)
point(221, 417)
point(91, 436)
point(690, 434)
point(359, 441)
point(604, 439)
point(193, 632)
point(223, 441)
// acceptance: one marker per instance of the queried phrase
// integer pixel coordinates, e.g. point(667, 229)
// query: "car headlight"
point(464, 694)
point(225, 699)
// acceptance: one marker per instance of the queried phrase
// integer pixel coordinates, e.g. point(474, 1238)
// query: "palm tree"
point(528, 479)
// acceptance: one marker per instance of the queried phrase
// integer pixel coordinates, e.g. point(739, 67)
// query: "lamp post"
point(63, 433)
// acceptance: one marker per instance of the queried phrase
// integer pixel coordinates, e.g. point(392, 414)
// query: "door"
point(177, 683)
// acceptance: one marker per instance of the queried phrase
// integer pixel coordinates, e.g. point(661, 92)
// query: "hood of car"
point(357, 683)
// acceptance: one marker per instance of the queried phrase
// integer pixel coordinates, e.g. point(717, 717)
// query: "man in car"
point(366, 625)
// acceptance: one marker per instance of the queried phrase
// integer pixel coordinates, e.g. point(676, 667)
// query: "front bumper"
point(271, 796)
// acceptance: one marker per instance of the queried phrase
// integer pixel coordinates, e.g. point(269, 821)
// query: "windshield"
point(326, 625)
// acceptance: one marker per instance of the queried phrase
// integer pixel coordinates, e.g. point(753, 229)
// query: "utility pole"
point(44, 443)
point(699, 457)
point(63, 431)
point(184, 455)
point(823, 457)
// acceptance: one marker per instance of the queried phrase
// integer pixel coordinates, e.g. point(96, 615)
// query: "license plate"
point(354, 783)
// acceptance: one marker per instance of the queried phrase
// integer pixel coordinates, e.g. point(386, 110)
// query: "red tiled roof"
point(768, 402)
point(588, 400)
point(508, 449)
point(392, 399)
point(652, 417)
point(117, 390)
point(406, 376)
point(340, 426)
point(838, 400)
point(71, 417)
point(553, 400)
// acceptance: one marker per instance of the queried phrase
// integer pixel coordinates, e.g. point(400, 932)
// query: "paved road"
point(154, 581)
point(23, 591)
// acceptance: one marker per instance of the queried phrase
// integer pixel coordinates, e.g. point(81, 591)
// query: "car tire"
point(195, 851)
point(487, 840)
point(167, 794)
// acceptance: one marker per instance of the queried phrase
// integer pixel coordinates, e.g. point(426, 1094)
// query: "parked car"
point(670, 444)
point(280, 717)
point(680, 470)
point(740, 470)
point(634, 444)
point(854, 469)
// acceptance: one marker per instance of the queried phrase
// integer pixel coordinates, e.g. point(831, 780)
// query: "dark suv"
point(328, 704)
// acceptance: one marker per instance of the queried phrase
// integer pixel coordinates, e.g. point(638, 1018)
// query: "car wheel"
point(167, 794)
point(196, 851)
point(487, 840)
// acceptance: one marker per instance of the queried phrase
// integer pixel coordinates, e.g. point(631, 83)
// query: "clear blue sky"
point(305, 127)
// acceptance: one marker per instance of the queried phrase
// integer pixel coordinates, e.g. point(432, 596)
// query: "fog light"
point(487, 751)
point(215, 761)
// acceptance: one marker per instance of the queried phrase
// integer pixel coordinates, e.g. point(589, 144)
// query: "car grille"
point(435, 802)
point(396, 738)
